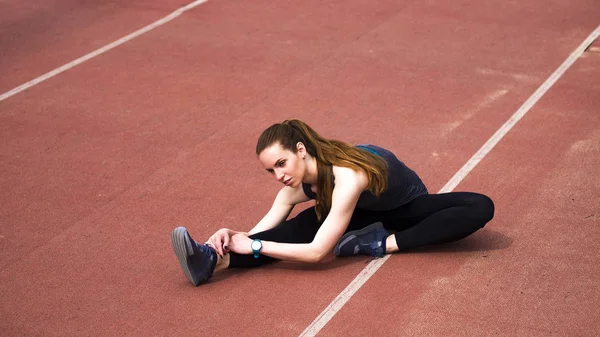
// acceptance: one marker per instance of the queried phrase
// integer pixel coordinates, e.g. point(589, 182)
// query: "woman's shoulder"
point(347, 175)
point(293, 195)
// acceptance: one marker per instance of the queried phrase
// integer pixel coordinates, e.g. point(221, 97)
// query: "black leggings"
point(428, 219)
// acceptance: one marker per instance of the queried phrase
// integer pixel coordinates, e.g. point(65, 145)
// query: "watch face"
point(256, 245)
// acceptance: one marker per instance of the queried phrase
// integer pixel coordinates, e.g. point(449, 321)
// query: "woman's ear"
point(301, 149)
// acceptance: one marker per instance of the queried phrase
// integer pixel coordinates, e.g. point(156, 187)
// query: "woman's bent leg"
point(439, 218)
point(300, 229)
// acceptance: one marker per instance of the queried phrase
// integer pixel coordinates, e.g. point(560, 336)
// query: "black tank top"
point(403, 184)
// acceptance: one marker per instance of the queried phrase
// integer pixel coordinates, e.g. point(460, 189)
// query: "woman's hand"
point(241, 244)
point(220, 240)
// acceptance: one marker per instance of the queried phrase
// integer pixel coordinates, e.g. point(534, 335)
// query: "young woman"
point(361, 193)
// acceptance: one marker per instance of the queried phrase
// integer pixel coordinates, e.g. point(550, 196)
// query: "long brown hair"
point(327, 152)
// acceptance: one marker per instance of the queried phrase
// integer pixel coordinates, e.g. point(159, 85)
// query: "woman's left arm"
point(349, 184)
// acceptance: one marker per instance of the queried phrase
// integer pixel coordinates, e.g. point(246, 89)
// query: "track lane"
point(531, 271)
point(126, 237)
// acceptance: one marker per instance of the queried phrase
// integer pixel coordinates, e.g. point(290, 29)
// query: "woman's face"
point(286, 166)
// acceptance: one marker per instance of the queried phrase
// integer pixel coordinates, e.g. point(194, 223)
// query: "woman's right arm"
point(283, 204)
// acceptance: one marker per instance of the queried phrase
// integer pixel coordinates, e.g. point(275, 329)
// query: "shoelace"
point(373, 248)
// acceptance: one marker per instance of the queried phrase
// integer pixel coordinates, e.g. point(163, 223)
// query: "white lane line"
point(487, 147)
point(335, 306)
point(99, 51)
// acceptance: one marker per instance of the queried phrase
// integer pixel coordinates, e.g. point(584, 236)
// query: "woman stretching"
point(361, 193)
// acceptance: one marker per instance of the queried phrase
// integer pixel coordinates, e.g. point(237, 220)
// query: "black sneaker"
point(197, 261)
point(365, 241)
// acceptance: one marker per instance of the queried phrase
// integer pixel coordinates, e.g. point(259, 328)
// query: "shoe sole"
point(182, 246)
point(351, 235)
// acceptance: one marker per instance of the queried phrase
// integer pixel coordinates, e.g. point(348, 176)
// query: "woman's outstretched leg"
point(200, 261)
point(300, 229)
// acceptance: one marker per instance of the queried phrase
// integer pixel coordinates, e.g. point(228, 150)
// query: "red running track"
point(101, 162)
